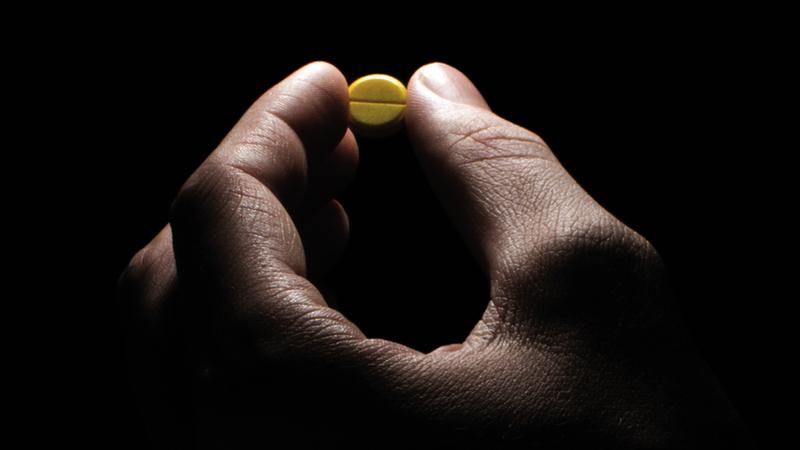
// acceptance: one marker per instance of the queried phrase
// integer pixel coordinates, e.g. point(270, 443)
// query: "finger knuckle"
point(134, 272)
point(197, 191)
point(602, 245)
point(265, 150)
point(605, 270)
point(267, 143)
point(135, 279)
point(599, 272)
point(213, 192)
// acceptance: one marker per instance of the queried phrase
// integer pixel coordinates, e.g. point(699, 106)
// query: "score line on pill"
point(377, 105)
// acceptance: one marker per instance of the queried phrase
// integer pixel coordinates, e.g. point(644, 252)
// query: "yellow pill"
point(377, 105)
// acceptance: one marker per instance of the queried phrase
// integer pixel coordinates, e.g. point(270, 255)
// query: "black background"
point(665, 127)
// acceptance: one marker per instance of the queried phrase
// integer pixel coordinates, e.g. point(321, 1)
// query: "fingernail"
point(449, 83)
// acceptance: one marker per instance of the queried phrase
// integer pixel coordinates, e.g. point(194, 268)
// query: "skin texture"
point(231, 345)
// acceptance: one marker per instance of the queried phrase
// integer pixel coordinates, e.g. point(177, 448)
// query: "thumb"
point(501, 185)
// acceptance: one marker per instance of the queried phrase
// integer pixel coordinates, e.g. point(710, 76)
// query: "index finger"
point(237, 249)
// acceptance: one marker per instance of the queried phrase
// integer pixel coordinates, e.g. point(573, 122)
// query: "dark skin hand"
point(232, 346)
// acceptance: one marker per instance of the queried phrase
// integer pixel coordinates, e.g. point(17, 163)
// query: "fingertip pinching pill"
point(377, 105)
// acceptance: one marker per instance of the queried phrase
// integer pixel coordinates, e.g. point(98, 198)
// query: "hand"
point(579, 346)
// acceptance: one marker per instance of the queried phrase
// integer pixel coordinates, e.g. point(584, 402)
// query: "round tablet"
point(377, 105)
